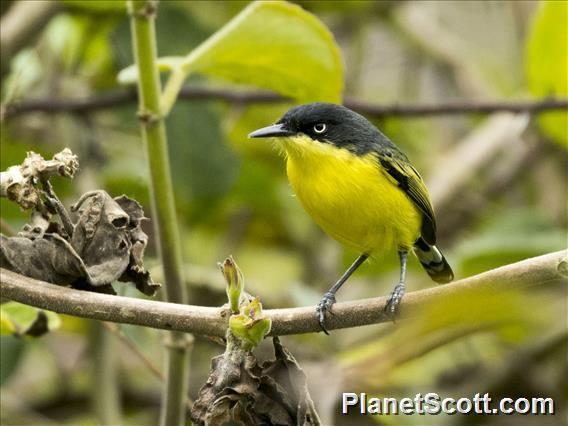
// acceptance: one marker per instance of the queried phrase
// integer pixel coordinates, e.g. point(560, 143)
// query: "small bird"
point(361, 189)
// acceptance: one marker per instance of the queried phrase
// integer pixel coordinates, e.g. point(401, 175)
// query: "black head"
point(328, 123)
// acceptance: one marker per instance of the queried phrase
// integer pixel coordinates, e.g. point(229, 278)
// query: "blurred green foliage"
point(11, 349)
point(18, 319)
point(232, 196)
point(547, 63)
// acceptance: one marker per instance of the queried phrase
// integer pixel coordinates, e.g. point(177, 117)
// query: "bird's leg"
point(398, 291)
point(328, 298)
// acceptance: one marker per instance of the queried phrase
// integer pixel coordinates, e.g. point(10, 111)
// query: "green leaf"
point(277, 46)
point(250, 326)
point(6, 325)
point(547, 64)
point(98, 6)
point(272, 45)
point(235, 282)
point(18, 319)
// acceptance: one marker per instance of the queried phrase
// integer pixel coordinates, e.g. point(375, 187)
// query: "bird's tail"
point(433, 262)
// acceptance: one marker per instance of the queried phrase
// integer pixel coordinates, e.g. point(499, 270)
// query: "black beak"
point(271, 131)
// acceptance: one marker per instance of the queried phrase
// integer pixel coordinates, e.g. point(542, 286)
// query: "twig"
point(546, 269)
point(460, 107)
point(114, 99)
point(19, 183)
point(116, 331)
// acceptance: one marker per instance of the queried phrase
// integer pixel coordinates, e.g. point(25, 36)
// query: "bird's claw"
point(391, 308)
point(324, 306)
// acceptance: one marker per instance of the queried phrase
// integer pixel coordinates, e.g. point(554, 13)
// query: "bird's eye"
point(320, 128)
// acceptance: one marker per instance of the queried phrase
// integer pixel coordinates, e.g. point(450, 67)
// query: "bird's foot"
point(324, 306)
point(391, 308)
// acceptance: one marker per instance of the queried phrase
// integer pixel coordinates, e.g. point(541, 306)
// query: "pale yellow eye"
point(320, 128)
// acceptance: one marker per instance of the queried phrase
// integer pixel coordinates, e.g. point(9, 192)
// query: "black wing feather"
point(407, 178)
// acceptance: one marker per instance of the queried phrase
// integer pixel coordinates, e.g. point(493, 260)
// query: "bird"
point(361, 189)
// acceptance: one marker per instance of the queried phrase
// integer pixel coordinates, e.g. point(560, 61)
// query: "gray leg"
point(328, 299)
point(398, 291)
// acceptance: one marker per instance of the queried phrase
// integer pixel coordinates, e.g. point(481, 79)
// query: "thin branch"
point(117, 332)
point(71, 106)
point(119, 98)
point(19, 183)
point(459, 107)
point(126, 97)
point(546, 269)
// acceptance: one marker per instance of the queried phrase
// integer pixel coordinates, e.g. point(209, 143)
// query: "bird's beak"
point(273, 131)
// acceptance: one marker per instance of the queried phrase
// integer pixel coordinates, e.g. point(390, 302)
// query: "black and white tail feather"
point(433, 261)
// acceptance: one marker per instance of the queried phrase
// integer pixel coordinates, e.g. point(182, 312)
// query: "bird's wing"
point(407, 178)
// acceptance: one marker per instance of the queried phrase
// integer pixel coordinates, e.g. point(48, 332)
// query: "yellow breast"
point(350, 197)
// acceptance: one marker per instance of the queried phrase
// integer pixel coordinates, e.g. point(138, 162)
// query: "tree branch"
point(547, 269)
point(114, 99)
point(459, 107)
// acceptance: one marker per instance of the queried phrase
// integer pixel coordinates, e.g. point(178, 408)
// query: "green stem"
point(142, 15)
point(172, 89)
point(105, 392)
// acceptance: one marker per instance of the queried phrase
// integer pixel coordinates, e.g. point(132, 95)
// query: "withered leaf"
point(106, 245)
point(241, 392)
